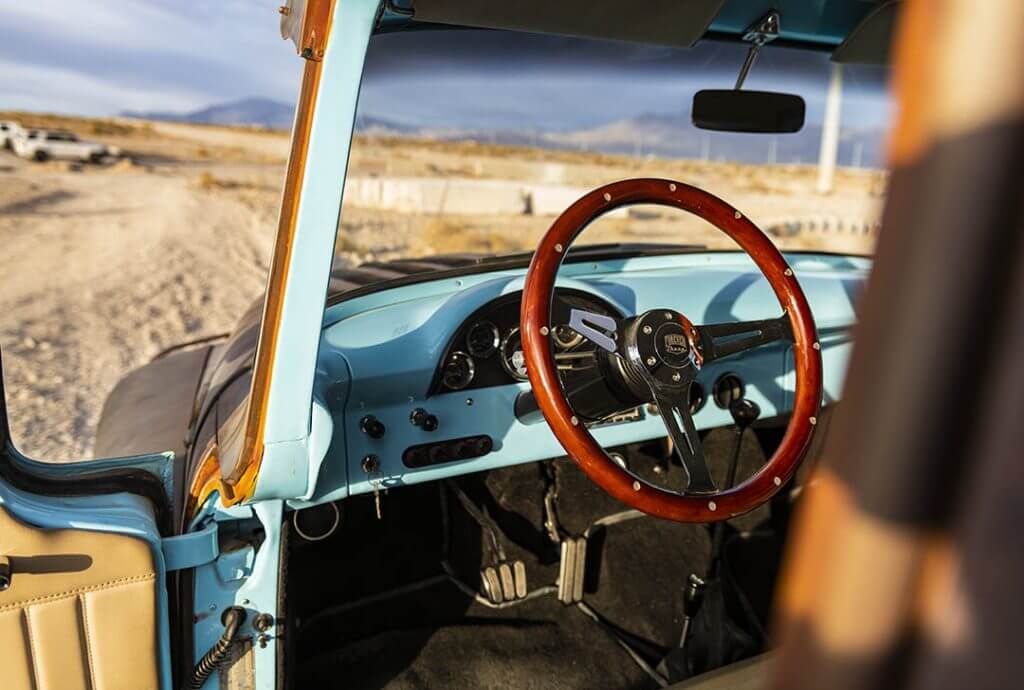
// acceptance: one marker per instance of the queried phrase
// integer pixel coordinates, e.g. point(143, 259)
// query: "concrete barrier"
point(462, 196)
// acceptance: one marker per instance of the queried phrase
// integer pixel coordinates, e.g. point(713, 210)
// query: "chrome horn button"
point(662, 345)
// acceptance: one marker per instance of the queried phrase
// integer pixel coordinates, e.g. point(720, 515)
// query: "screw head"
point(672, 187)
point(651, 361)
point(648, 330)
point(778, 481)
point(575, 421)
point(676, 377)
point(607, 196)
point(712, 506)
point(788, 271)
point(816, 346)
point(668, 316)
point(544, 330)
point(739, 215)
point(558, 248)
point(636, 486)
point(813, 420)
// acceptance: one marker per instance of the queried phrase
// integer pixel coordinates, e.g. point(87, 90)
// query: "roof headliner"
point(812, 24)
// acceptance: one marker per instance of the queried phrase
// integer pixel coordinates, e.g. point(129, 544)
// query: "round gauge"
point(566, 338)
point(512, 357)
point(458, 371)
point(482, 339)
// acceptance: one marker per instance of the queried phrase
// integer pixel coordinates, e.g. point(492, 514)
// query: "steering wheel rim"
point(574, 436)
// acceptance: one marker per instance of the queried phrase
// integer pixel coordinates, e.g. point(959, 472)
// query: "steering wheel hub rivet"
point(636, 486)
point(648, 330)
point(712, 506)
point(788, 271)
point(558, 248)
point(544, 330)
point(778, 481)
point(575, 421)
point(607, 196)
point(813, 420)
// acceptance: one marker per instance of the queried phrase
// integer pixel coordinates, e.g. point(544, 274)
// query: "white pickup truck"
point(8, 131)
point(44, 144)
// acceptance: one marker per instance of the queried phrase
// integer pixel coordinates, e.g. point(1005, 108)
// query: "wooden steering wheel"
point(660, 353)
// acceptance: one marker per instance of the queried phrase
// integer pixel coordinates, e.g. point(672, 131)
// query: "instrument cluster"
point(487, 350)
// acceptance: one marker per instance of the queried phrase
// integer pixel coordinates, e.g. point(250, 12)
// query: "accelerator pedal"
point(572, 569)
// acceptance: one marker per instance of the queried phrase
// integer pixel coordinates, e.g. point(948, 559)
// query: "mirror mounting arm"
point(765, 30)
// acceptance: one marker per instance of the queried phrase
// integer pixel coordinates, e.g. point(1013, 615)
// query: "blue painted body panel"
point(379, 354)
point(296, 437)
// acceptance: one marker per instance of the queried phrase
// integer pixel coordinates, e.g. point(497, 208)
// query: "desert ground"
point(106, 265)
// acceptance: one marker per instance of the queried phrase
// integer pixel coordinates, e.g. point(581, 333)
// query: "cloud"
point(105, 56)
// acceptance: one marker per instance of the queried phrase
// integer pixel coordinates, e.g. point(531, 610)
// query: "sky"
point(102, 57)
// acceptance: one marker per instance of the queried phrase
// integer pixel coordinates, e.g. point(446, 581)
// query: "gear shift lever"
point(744, 413)
point(699, 647)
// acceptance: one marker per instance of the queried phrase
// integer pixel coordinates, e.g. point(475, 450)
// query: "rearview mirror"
point(733, 110)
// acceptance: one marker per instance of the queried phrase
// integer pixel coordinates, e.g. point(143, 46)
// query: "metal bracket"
point(586, 324)
point(190, 550)
point(758, 34)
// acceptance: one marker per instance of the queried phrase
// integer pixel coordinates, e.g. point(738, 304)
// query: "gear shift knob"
point(744, 412)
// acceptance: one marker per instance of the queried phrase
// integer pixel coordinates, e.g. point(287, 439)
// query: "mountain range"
point(256, 112)
point(668, 135)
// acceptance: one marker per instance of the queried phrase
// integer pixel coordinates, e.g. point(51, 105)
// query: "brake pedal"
point(504, 582)
point(571, 570)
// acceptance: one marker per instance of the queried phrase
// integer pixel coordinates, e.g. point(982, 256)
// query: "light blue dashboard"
point(379, 354)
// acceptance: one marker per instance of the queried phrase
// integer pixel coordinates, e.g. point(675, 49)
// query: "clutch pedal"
point(571, 570)
point(504, 582)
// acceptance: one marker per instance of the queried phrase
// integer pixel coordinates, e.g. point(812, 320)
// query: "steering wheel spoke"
point(720, 340)
point(675, 413)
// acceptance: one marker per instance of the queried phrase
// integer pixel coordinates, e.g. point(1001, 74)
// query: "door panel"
point(80, 611)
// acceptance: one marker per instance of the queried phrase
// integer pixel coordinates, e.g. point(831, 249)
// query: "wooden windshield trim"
point(240, 482)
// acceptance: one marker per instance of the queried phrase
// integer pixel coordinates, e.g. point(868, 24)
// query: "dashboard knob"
point(423, 419)
point(372, 427)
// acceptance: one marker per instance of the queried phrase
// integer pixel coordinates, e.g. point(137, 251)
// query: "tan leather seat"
point(80, 612)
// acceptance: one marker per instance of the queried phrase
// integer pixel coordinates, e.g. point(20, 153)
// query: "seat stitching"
point(83, 606)
point(110, 584)
point(31, 647)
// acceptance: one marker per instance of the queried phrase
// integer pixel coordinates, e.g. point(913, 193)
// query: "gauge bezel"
point(495, 339)
point(505, 364)
point(568, 345)
point(458, 354)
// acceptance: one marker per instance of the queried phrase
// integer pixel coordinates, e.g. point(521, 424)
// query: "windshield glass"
point(476, 140)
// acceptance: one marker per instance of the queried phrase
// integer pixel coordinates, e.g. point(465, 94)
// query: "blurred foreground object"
point(906, 567)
